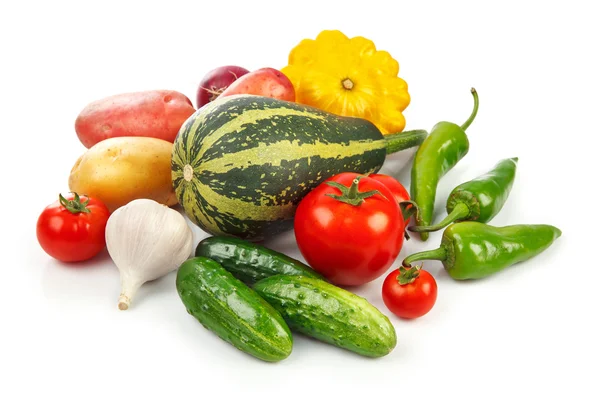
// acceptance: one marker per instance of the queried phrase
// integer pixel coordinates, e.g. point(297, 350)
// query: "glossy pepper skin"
point(480, 199)
point(445, 146)
point(472, 250)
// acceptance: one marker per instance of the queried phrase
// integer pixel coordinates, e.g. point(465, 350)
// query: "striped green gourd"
point(241, 164)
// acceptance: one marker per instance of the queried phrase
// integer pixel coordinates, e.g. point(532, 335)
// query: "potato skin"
point(154, 113)
point(122, 169)
point(267, 82)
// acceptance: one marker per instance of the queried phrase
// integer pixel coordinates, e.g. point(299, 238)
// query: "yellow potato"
point(121, 169)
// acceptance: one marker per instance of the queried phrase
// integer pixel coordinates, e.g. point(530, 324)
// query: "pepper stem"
point(351, 195)
point(437, 254)
point(404, 140)
point(474, 112)
point(75, 205)
point(460, 212)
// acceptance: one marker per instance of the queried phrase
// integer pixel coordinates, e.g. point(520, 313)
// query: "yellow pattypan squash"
point(349, 77)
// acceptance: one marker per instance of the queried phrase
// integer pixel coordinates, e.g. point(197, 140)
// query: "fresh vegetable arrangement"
point(267, 151)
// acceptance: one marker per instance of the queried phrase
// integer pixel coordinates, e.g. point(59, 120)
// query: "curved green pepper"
point(480, 199)
point(442, 149)
point(472, 250)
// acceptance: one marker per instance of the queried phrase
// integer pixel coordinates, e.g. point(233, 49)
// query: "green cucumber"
point(251, 262)
point(232, 310)
point(241, 164)
point(330, 314)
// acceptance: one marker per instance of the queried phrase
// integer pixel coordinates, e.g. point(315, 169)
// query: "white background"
point(523, 339)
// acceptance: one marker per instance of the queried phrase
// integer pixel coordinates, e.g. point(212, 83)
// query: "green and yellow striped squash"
point(241, 164)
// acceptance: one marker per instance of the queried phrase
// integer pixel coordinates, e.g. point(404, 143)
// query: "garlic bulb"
point(146, 240)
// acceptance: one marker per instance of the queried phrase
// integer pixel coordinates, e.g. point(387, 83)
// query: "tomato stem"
point(351, 195)
point(408, 275)
point(408, 208)
point(74, 206)
point(353, 192)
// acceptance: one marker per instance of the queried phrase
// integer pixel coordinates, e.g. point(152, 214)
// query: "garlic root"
point(124, 302)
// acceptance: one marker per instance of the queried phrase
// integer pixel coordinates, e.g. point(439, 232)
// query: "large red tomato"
point(72, 228)
point(349, 228)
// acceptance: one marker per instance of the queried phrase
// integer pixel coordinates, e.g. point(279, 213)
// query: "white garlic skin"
point(146, 240)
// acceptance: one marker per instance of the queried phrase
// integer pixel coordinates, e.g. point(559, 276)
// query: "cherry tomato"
point(349, 228)
point(400, 193)
point(72, 228)
point(409, 292)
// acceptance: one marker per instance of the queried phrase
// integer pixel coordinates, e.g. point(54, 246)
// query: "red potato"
point(155, 113)
point(267, 82)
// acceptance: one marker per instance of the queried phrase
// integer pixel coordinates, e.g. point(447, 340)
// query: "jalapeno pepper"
point(442, 149)
point(472, 250)
point(480, 199)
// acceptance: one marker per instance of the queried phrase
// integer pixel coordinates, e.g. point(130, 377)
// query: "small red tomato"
point(400, 193)
point(72, 228)
point(409, 292)
point(349, 228)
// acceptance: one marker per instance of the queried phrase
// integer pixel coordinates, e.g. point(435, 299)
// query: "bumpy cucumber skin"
point(330, 314)
point(251, 262)
point(232, 310)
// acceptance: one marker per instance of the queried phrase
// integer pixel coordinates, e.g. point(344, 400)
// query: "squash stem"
point(404, 140)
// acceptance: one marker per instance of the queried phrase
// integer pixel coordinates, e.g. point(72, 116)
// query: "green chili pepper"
point(472, 250)
point(442, 149)
point(480, 199)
